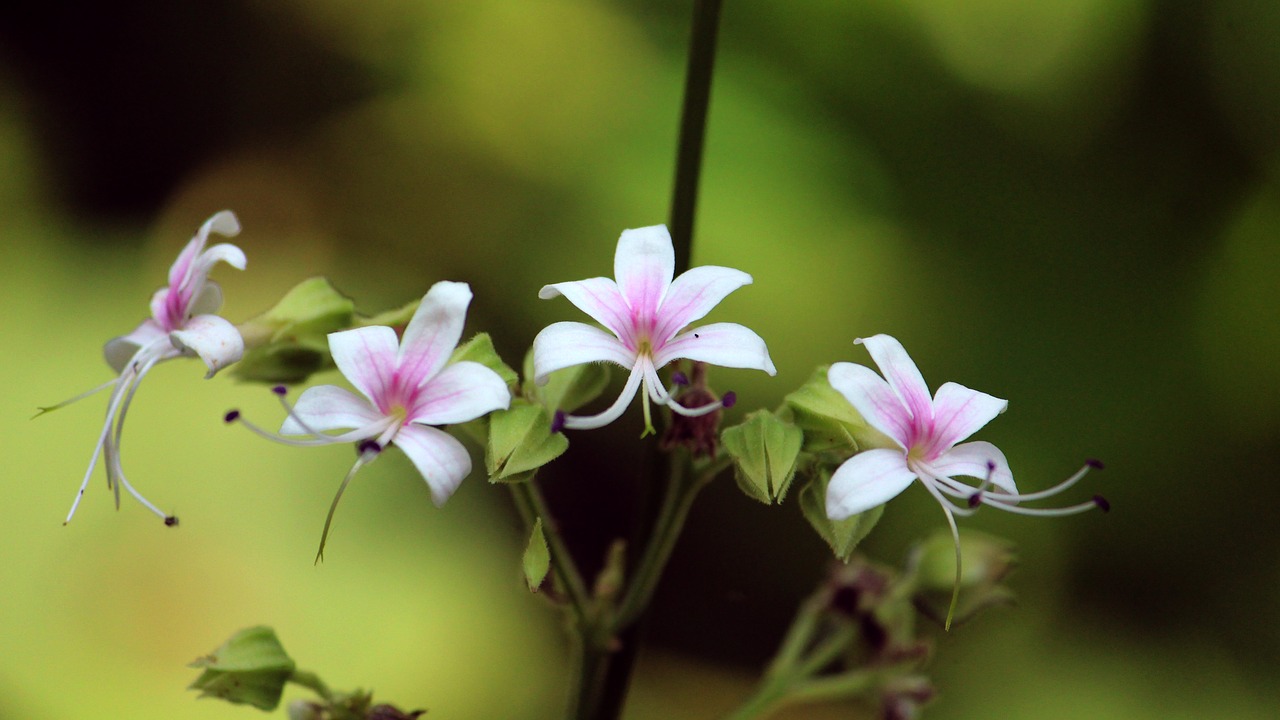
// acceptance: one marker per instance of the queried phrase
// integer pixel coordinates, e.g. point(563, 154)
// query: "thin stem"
point(693, 127)
point(531, 505)
point(312, 682)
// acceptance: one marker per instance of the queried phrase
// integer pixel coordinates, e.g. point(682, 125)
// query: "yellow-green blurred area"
point(1072, 204)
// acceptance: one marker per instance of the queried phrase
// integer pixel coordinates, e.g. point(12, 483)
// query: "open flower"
point(182, 324)
point(926, 432)
point(645, 310)
point(408, 386)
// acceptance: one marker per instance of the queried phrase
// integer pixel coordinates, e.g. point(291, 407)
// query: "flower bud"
point(764, 450)
point(288, 342)
point(985, 560)
point(250, 668)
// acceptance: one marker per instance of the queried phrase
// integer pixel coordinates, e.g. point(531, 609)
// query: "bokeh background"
point(1072, 204)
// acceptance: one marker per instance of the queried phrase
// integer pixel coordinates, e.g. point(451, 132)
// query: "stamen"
point(1041, 494)
point(231, 416)
point(365, 457)
point(1102, 503)
point(729, 400)
point(557, 422)
point(679, 378)
point(955, 587)
point(280, 390)
point(369, 446)
point(171, 521)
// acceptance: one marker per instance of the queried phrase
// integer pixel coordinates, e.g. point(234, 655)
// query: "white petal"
point(970, 460)
point(434, 331)
point(723, 344)
point(565, 344)
point(866, 480)
point(643, 266)
point(209, 301)
point(119, 351)
point(874, 400)
point(367, 358)
point(223, 252)
point(614, 411)
point(441, 459)
point(601, 299)
point(693, 295)
point(215, 340)
point(224, 223)
point(959, 412)
point(903, 375)
point(327, 407)
point(462, 391)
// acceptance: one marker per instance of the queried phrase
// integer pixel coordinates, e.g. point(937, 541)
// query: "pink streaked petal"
point(565, 344)
point(903, 375)
point(723, 344)
point(441, 459)
point(693, 295)
point(959, 412)
point(328, 407)
point(643, 266)
point(433, 332)
point(367, 358)
point(216, 341)
point(222, 252)
point(599, 298)
point(162, 308)
point(866, 480)
point(874, 400)
point(119, 351)
point(461, 392)
point(970, 460)
point(223, 223)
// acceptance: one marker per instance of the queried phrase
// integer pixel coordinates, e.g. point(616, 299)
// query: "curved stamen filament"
point(368, 454)
point(661, 396)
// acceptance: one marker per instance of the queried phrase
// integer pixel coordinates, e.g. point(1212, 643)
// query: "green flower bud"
point(250, 668)
point(985, 560)
point(520, 441)
point(828, 419)
point(287, 343)
point(764, 449)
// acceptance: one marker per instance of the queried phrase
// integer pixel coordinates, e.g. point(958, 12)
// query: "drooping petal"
point(614, 411)
point(433, 332)
point(119, 351)
point(222, 252)
point(328, 407)
point(874, 400)
point(901, 372)
point(724, 344)
point(565, 344)
point(970, 460)
point(215, 340)
point(367, 358)
point(224, 223)
point(693, 295)
point(461, 392)
point(441, 459)
point(866, 480)
point(643, 266)
point(601, 299)
point(959, 412)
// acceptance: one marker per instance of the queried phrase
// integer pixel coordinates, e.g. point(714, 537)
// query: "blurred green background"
point(1072, 204)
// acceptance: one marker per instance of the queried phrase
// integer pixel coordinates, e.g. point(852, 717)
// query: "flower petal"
point(874, 400)
point(693, 295)
point(959, 412)
point(643, 266)
point(222, 252)
point(723, 344)
point(433, 332)
point(367, 358)
point(119, 351)
point(441, 459)
point(866, 480)
point(209, 301)
point(462, 391)
point(970, 460)
point(215, 340)
point(224, 223)
point(614, 411)
point(565, 344)
point(328, 407)
point(901, 372)
point(601, 299)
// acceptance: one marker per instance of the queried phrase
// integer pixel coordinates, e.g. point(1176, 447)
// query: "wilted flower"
point(645, 310)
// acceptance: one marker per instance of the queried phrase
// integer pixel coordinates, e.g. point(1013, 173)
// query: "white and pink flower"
point(646, 314)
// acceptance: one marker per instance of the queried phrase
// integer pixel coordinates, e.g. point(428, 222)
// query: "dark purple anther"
point(1102, 503)
point(1093, 463)
point(557, 422)
point(369, 446)
point(171, 521)
point(679, 378)
point(231, 416)
point(280, 390)
point(975, 500)
point(729, 400)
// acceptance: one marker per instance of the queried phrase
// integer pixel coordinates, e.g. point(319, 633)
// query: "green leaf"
point(250, 668)
point(764, 449)
point(520, 440)
point(537, 558)
point(289, 342)
point(480, 349)
point(842, 536)
point(828, 418)
point(567, 389)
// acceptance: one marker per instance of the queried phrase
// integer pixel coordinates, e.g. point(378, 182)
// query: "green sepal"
point(985, 560)
point(764, 449)
point(537, 558)
point(288, 343)
point(842, 536)
point(567, 389)
point(250, 668)
point(480, 349)
point(828, 420)
point(520, 440)
point(394, 318)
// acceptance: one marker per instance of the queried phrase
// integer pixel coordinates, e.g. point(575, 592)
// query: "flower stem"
point(312, 682)
point(693, 127)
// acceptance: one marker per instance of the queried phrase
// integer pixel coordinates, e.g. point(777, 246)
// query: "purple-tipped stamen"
point(280, 390)
point(1094, 463)
point(679, 378)
point(729, 400)
point(557, 422)
point(231, 416)
point(369, 446)
point(171, 521)
point(1102, 503)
